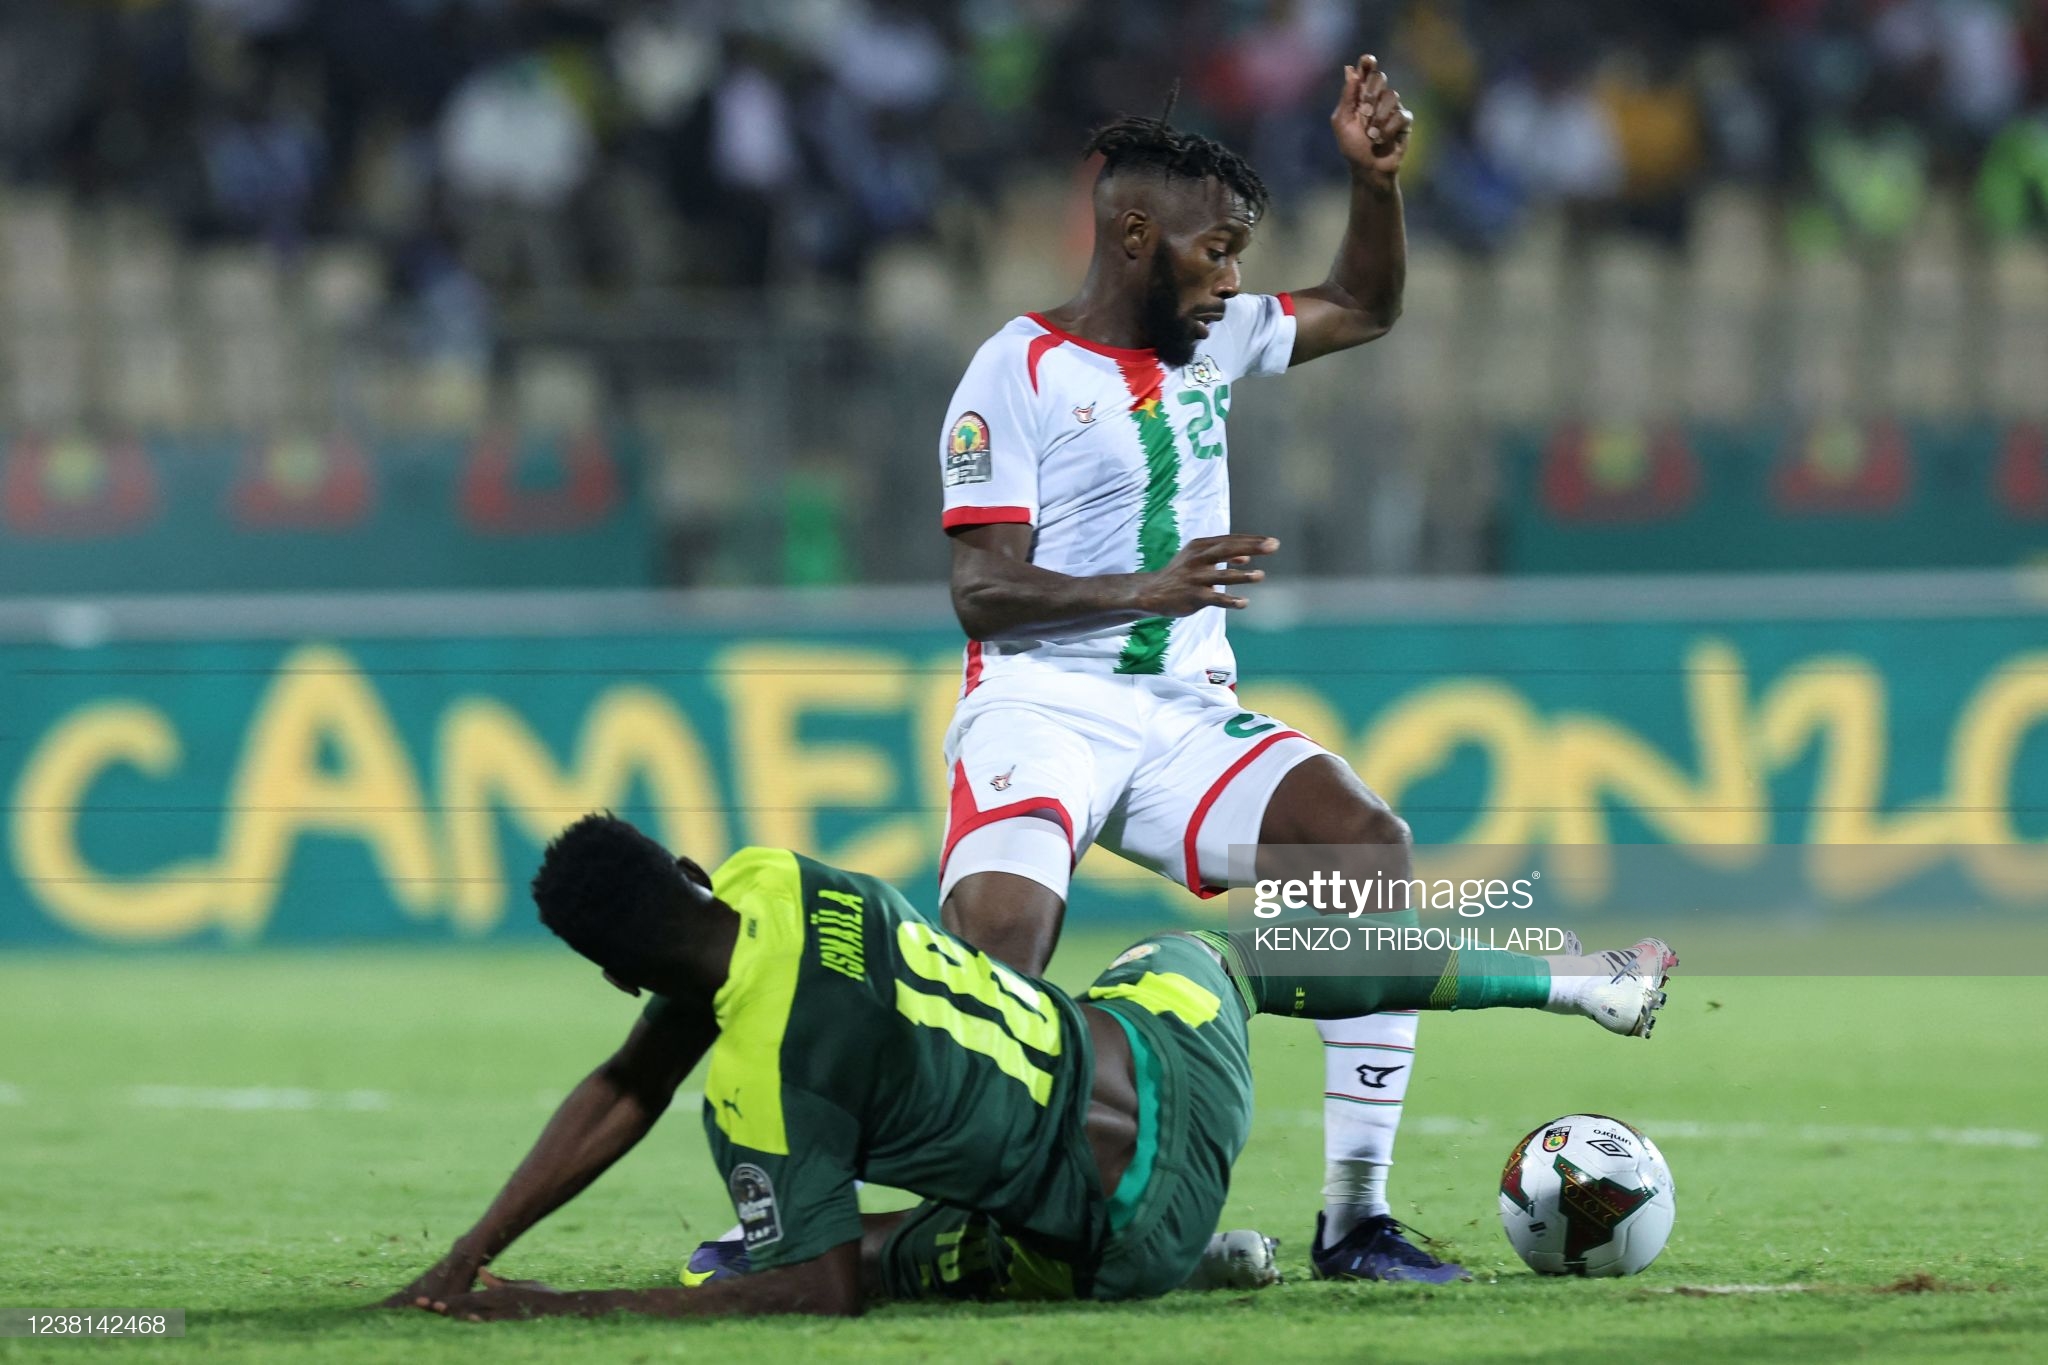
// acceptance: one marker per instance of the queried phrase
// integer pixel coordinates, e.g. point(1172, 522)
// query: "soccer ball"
point(1586, 1195)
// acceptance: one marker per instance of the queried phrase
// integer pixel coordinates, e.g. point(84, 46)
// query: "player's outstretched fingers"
point(1215, 549)
point(1219, 581)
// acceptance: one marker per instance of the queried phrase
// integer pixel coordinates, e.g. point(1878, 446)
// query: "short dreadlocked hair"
point(607, 890)
point(1135, 142)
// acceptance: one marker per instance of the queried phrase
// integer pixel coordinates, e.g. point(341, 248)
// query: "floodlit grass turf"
point(273, 1226)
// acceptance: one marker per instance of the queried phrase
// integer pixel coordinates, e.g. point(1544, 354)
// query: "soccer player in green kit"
point(1066, 1148)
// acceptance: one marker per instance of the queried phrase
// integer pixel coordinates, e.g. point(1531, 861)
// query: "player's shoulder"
point(1255, 335)
point(758, 873)
point(1007, 355)
point(1256, 310)
point(856, 892)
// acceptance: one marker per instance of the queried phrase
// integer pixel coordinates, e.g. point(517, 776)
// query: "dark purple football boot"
point(1377, 1250)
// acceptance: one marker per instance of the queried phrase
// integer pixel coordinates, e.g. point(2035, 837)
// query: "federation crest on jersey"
point(1203, 370)
point(753, 1199)
point(967, 452)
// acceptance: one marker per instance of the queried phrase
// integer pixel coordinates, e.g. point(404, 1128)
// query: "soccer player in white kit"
point(1087, 498)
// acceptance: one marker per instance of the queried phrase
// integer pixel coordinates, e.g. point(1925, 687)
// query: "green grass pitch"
point(272, 1141)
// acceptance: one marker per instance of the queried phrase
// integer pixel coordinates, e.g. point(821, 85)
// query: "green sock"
point(1458, 979)
point(1492, 978)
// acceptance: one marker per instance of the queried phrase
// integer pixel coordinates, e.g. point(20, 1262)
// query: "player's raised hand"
point(1370, 121)
point(1190, 582)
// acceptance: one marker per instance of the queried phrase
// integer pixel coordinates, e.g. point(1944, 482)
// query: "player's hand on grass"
point(499, 1282)
point(453, 1274)
point(1370, 122)
point(504, 1302)
point(1190, 582)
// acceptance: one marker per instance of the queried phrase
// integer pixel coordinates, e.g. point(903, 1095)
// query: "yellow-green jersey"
point(857, 1040)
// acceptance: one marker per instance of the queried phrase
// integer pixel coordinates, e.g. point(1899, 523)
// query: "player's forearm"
point(1371, 269)
point(1006, 598)
point(598, 1123)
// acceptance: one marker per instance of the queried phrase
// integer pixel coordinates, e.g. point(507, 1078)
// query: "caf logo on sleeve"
point(967, 452)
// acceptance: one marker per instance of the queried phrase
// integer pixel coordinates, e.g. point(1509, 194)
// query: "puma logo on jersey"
point(1001, 781)
point(1375, 1077)
point(1085, 416)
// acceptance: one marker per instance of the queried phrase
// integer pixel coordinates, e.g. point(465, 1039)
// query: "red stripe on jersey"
point(1117, 353)
point(957, 517)
point(1145, 380)
point(973, 677)
point(1286, 303)
point(1039, 346)
point(1209, 799)
point(962, 817)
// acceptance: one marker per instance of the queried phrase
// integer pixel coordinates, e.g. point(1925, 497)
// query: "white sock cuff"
point(1569, 978)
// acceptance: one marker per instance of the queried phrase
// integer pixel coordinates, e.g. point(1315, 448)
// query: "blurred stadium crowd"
point(763, 237)
point(556, 143)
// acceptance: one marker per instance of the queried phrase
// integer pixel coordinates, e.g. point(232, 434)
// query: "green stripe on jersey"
point(1158, 526)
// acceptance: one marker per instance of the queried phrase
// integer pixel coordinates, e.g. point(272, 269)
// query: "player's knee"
point(1011, 918)
point(1369, 823)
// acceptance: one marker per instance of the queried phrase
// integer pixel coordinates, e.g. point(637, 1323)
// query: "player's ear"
point(630, 990)
point(1138, 231)
point(694, 872)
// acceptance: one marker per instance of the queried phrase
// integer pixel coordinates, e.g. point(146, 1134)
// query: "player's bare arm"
point(998, 592)
point(825, 1286)
point(600, 1121)
point(1361, 299)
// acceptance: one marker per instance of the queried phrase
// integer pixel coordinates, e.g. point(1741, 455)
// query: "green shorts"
point(1191, 1056)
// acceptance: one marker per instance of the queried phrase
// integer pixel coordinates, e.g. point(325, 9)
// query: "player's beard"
point(1172, 335)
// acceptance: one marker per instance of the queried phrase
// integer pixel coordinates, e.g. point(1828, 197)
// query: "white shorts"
point(1168, 774)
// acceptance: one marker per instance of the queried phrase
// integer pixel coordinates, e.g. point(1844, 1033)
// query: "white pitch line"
point(2023, 1139)
point(1849, 1133)
point(251, 1098)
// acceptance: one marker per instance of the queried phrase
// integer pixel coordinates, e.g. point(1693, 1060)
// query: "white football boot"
point(1240, 1259)
point(1626, 1000)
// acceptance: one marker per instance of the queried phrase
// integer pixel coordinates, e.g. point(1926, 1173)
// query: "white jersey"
point(1117, 460)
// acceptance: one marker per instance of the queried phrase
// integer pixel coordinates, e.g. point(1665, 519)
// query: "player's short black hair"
point(1134, 142)
point(608, 891)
